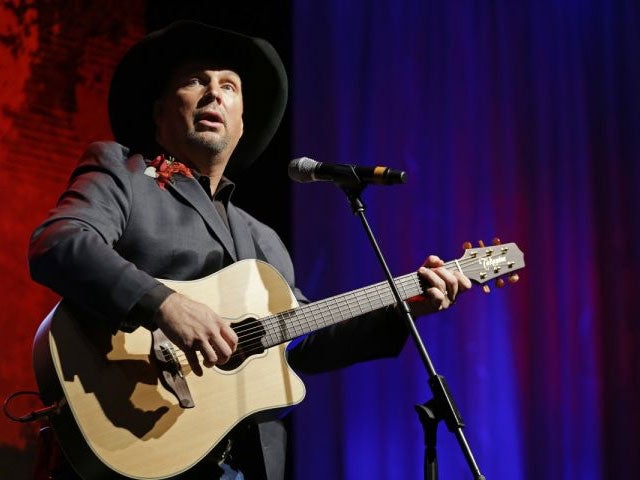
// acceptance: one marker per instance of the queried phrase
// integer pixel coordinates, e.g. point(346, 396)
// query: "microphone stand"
point(442, 405)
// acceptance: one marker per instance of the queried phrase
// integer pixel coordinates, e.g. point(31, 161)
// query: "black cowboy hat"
point(142, 73)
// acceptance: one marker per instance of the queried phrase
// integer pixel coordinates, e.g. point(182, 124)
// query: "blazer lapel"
point(241, 233)
point(192, 192)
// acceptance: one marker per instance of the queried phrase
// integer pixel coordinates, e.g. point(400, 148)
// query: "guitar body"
point(120, 421)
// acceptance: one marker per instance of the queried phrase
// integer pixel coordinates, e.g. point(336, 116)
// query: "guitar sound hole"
point(250, 336)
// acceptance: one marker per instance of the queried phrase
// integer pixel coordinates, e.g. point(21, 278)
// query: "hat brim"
point(142, 73)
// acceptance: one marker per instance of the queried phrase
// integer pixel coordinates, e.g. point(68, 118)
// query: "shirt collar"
point(223, 191)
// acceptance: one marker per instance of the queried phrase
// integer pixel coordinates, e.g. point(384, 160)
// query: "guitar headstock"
point(483, 264)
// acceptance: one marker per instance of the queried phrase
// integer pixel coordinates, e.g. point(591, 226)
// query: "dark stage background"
point(512, 119)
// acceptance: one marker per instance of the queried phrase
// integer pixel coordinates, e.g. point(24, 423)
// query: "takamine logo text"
point(491, 262)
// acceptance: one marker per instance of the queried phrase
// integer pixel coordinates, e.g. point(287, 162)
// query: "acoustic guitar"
point(130, 406)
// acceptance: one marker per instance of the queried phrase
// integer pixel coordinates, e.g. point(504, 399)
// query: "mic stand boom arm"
point(441, 406)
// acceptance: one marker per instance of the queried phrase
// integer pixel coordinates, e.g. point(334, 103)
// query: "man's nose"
point(213, 93)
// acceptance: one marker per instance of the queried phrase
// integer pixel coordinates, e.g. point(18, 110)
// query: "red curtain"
point(56, 61)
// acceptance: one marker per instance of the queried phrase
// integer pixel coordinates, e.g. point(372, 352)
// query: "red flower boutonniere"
point(163, 169)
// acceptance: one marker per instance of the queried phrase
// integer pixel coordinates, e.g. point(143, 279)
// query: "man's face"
point(200, 112)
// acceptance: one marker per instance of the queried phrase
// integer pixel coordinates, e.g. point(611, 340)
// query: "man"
point(189, 105)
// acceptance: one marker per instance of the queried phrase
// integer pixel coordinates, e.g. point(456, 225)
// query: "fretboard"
point(308, 318)
point(479, 264)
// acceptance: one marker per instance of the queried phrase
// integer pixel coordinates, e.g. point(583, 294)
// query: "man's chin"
point(206, 142)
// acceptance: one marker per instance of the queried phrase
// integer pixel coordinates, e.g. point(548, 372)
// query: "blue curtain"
point(512, 119)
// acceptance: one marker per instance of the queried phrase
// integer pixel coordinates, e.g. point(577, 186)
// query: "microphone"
point(305, 170)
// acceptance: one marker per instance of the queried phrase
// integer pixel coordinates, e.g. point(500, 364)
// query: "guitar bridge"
point(172, 377)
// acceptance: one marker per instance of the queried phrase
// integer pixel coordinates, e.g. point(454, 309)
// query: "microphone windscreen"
point(302, 169)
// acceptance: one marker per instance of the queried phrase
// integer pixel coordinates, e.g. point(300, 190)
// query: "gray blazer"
point(114, 231)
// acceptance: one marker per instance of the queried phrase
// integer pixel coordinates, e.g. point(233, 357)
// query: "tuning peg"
point(496, 241)
point(513, 278)
point(500, 283)
point(466, 245)
point(481, 243)
point(486, 289)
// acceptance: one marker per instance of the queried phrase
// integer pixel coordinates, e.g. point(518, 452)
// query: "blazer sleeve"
point(371, 336)
point(72, 252)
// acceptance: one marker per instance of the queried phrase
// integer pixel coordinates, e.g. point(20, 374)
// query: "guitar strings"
point(250, 337)
point(250, 334)
point(253, 345)
point(314, 316)
point(344, 300)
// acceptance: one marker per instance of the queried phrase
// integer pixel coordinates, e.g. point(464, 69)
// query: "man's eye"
point(196, 80)
point(228, 86)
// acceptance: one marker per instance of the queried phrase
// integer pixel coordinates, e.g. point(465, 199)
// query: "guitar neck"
point(314, 316)
point(479, 264)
